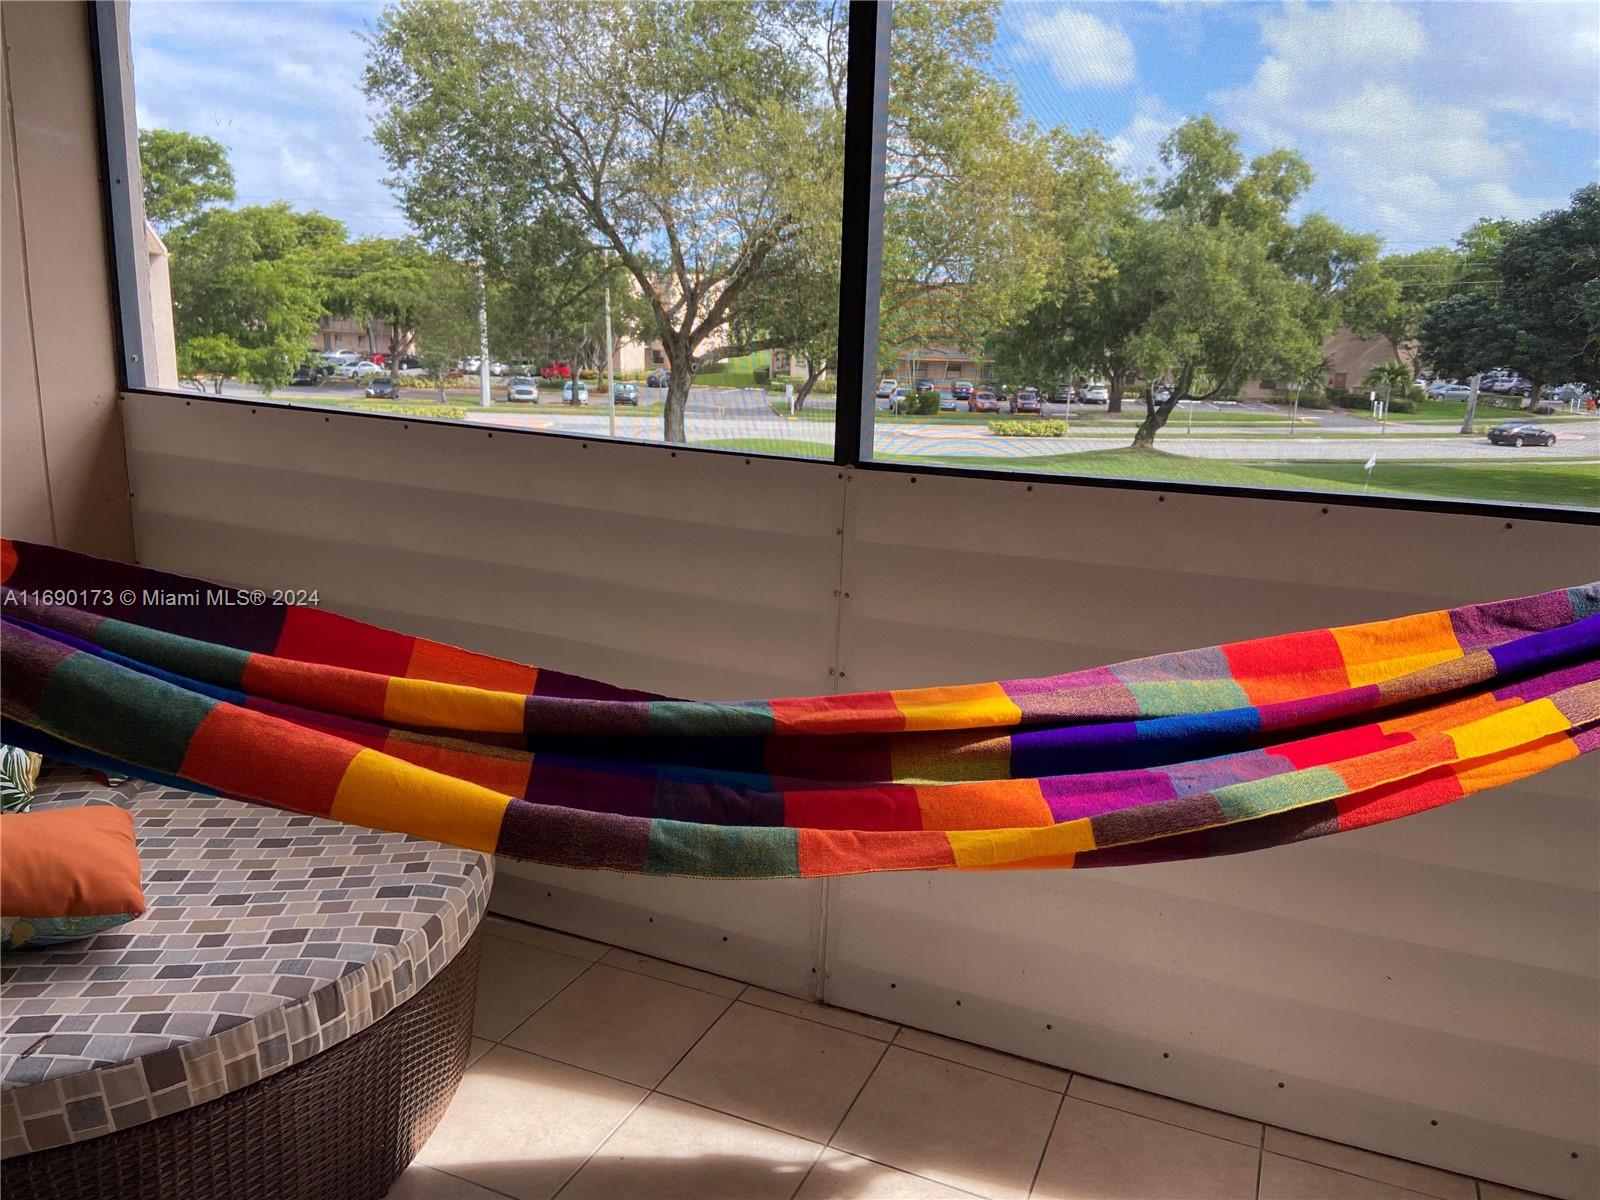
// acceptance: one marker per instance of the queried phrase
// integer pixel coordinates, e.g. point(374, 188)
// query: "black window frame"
point(866, 124)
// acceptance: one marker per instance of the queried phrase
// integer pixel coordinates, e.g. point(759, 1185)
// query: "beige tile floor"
point(600, 1074)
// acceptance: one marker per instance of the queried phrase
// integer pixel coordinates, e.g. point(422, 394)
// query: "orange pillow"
point(69, 862)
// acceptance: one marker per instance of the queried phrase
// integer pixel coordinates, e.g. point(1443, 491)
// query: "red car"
point(1025, 401)
point(984, 401)
point(556, 370)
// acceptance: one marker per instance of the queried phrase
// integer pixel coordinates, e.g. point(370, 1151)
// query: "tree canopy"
point(1535, 306)
point(184, 174)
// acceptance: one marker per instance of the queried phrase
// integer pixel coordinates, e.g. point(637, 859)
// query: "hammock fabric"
point(1186, 755)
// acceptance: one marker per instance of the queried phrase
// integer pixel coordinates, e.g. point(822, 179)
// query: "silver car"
point(523, 390)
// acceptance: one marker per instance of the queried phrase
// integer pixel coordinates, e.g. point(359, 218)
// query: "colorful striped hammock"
point(1214, 751)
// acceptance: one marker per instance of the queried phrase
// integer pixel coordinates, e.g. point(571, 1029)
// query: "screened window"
point(596, 194)
point(1253, 245)
point(1323, 249)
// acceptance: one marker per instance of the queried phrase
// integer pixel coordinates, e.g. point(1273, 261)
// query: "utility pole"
point(1472, 406)
point(483, 335)
point(611, 374)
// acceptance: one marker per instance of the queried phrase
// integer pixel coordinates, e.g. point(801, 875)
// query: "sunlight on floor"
point(600, 1074)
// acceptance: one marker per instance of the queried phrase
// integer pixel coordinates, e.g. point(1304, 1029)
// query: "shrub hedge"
point(1028, 428)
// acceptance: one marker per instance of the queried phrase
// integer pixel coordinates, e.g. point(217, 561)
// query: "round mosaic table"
point(288, 1018)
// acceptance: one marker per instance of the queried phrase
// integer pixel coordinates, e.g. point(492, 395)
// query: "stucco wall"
point(63, 476)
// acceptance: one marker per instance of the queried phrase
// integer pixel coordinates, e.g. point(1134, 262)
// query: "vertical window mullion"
point(861, 242)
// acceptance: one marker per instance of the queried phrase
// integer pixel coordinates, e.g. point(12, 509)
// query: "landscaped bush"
point(1028, 428)
point(1402, 404)
point(439, 412)
point(922, 404)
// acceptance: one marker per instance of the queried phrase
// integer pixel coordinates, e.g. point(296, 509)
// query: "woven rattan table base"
point(340, 1126)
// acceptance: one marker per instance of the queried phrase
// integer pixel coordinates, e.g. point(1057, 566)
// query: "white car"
point(1096, 393)
point(359, 370)
point(340, 358)
point(886, 388)
point(1450, 391)
point(583, 392)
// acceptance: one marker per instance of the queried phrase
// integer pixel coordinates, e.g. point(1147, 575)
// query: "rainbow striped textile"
point(1186, 755)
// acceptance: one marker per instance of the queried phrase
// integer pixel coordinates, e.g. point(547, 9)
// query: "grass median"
point(1562, 483)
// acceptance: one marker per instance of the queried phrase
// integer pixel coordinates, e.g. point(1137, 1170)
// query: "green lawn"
point(1563, 483)
point(789, 447)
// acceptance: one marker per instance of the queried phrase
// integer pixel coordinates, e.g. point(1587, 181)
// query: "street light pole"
point(483, 335)
point(611, 374)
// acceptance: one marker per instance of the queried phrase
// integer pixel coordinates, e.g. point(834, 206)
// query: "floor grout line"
point(986, 1070)
point(884, 1046)
point(1257, 1145)
point(1049, 1137)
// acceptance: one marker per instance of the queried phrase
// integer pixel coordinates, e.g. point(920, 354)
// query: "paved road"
point(705, 424)
point(745, 414)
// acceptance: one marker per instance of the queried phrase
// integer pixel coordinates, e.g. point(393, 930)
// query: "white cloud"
point(1136, 147)
point(1081, 49)
point(279, 85)
point(1386, 103)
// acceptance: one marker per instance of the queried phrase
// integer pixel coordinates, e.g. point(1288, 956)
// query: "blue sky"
point(1418, 118)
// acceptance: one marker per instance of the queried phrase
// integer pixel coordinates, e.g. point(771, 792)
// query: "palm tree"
point(1392, 378)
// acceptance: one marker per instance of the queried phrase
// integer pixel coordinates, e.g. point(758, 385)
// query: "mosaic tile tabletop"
point(269, 936)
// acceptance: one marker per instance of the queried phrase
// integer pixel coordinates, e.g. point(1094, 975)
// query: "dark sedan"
point(626, 393)
point(1518, 433)
point(1026, 401)
point(382, 389)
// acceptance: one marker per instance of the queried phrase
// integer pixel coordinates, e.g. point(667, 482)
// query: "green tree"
point(1537, 306)
point(445, 319)
point(666, 130)
point(247, 289)
point(184, 174)
point(1090, 310)
point(969, 185)
point(1222, 311)
point(378, 280)
point(1240, 289)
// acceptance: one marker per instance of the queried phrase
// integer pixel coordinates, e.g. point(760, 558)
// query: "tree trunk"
point(812, 375)
point(681, 363)
point(1114, 392)
point(1156, 415)
point(394, 353)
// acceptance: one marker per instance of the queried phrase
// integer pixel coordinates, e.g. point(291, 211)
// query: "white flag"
point(1372, 462)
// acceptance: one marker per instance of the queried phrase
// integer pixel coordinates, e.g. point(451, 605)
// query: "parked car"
point(359, 370)
point(1065, 393)
point(1517, 433)
point(1450, 391)
point(961, 389)
point(582, 396)
point(924, 385)
point(886, 388)
point(984, 401)
point(947, 403)
point(308, 373)
point(556, 370)
point(660, 377)
point(383, 389)
point(1026, 400)
point(523, 389)
point(340, 358)
point(1096, 393)
point(901, 395)
point(625, 393)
